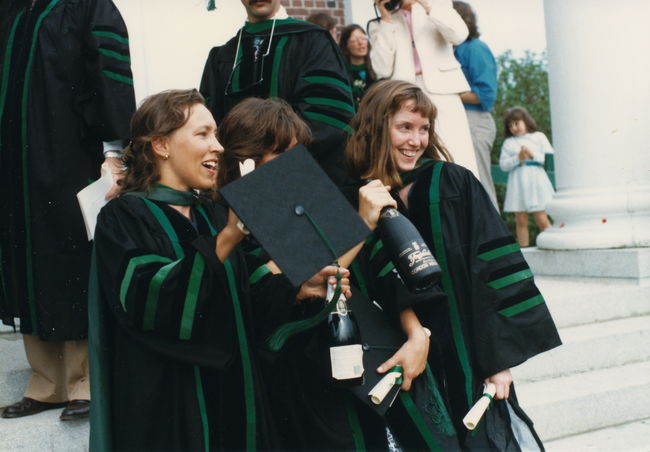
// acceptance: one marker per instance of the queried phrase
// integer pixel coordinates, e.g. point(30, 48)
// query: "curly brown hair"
point(368, 150)
point(256, 127)
point(159, 116)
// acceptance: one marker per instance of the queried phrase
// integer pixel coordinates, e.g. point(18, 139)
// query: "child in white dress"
point(522, 155)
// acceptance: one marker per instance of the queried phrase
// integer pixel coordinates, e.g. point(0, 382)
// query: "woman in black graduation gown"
point(172, 360)
point(494, 317)
point(311, 414)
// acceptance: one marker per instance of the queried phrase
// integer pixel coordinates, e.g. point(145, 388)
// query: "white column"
point(599, 79)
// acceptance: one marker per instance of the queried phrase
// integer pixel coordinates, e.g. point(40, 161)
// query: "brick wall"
point(300, 9)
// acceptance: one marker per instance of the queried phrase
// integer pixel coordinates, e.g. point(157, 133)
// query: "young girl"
point(529, 188)
point(493, 317)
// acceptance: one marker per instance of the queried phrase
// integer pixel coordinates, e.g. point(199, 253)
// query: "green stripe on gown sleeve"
point(498, 252)
point(523, 306)
point(130, 269)
point(151, 304)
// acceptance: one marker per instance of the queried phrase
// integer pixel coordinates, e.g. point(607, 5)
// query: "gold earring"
point(165, 156)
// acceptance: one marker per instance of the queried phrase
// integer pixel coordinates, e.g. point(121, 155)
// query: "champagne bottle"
point(411, 256)
point(344, 340)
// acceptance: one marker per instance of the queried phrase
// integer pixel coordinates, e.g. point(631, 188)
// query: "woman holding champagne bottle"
point(494, 317)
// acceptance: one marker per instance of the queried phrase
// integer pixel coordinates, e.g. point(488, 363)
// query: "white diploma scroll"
point(381, 389)
point(92, 199)
point(474, 415)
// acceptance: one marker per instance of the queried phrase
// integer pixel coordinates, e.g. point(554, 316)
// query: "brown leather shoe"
point(27, 407)
point(76, 409)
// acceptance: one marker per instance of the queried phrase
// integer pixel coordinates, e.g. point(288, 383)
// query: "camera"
point(393, 5)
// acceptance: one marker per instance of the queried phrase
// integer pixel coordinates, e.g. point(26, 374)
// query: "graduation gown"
point(66, 88)
point(495, 317)
point(173, 365)
point(313, 414)
point(303, 67)
point(487, 315)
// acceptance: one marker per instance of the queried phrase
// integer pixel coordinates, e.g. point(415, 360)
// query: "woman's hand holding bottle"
point(373, 197)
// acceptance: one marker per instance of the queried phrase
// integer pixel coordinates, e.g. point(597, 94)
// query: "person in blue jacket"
point(480, 69)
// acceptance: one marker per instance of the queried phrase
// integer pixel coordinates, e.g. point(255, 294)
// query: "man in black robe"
point(276, 56)
point(67, 98)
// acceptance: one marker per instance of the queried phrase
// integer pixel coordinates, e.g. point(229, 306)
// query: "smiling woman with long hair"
point(492, 316)
point(173, 361)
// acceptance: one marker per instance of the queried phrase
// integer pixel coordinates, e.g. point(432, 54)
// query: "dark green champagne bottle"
point(344, 341)
point(411, 256)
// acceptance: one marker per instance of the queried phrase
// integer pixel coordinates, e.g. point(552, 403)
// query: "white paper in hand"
point(92, 199)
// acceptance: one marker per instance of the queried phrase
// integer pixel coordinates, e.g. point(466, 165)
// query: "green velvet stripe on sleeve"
point(523, 306)
point(110, 35)
point(499, 252)
point(510, 279)
point(329, 121)
point(330, 103)
point(118, 77)
point(115, 55)
point(151, 304)
point(258, 274)
point(130, 269)
point(322, 79)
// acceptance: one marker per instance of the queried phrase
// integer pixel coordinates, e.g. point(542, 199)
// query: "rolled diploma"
point(381, 389)
point(476, 413)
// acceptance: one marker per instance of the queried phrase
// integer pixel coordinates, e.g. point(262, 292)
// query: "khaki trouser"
point(484, 131)
point(59, 370)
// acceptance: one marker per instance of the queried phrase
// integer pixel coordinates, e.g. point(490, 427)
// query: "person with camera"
point(413, 41)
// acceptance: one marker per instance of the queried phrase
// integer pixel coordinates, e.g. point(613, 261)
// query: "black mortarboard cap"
point(296, 213)
point(381, 340)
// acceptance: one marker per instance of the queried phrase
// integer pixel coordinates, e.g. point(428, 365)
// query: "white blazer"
point(434, 35)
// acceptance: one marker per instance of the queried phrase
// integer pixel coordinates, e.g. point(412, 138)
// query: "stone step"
point(588, 401)
point(14, 371)
point(591, 347)
point(43, 432)
point(630, 437)
point(580, 301)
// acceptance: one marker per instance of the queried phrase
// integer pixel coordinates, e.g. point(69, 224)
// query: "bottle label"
point(418, 257)
point(347, 361)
